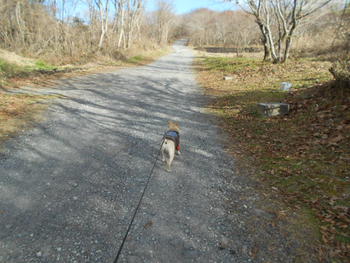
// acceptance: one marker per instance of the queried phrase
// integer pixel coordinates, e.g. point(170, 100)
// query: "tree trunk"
point(288, 43)
point(121, 17)
point(19, 22)
point(100, 43)
point(104, 21)
point(271, 45)
point(287, 49)
point(267, 54)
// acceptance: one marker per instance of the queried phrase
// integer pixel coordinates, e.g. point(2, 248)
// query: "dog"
point(171, 144)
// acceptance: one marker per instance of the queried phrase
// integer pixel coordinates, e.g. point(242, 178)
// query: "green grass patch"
point(231, 65)
point(9, 70)
point(136, 59)
point(41, 65)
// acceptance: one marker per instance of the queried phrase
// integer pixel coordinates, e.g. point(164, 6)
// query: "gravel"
point(69, 186)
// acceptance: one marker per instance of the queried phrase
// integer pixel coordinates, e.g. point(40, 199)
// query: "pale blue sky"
point(180, 6)
point(185, 6)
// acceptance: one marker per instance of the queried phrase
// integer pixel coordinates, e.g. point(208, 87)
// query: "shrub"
point(341, 72)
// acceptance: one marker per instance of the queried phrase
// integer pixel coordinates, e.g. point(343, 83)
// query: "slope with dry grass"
point(18, 111)
point(303, 156)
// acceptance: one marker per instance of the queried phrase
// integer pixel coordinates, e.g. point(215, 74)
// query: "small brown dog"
point(171, 143)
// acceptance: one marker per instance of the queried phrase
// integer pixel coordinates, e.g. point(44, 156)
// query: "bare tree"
point(127, 21)
point(134, 13)
point(103, 10)
point(229, 28)
point(119, 21)
point(286, 15)
point(164, 19)
point(51, 29)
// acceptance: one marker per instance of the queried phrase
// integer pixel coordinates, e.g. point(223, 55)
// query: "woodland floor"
point(302, 157)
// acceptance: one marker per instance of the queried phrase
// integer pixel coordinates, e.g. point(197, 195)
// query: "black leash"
point(137, 207)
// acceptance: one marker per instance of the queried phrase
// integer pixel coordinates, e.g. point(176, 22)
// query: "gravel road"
point(69, 187)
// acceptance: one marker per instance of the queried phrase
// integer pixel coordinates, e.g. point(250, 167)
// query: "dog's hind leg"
point(168, 164)
point(163, 157)
point(164, 150)
point(169, 161)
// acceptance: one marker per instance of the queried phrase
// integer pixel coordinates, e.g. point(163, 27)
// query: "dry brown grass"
point(18, 112)
point(14, 58)
point(103, 65)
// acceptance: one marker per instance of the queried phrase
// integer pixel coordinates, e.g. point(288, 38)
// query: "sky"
point(180, 6)
point(185, 6)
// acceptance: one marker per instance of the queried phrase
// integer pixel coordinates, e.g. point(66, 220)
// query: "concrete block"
point(273, 109)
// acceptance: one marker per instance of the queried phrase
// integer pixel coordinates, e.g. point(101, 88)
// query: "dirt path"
point(68, 188)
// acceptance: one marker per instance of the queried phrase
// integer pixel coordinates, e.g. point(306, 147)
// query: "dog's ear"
point(173, 125)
